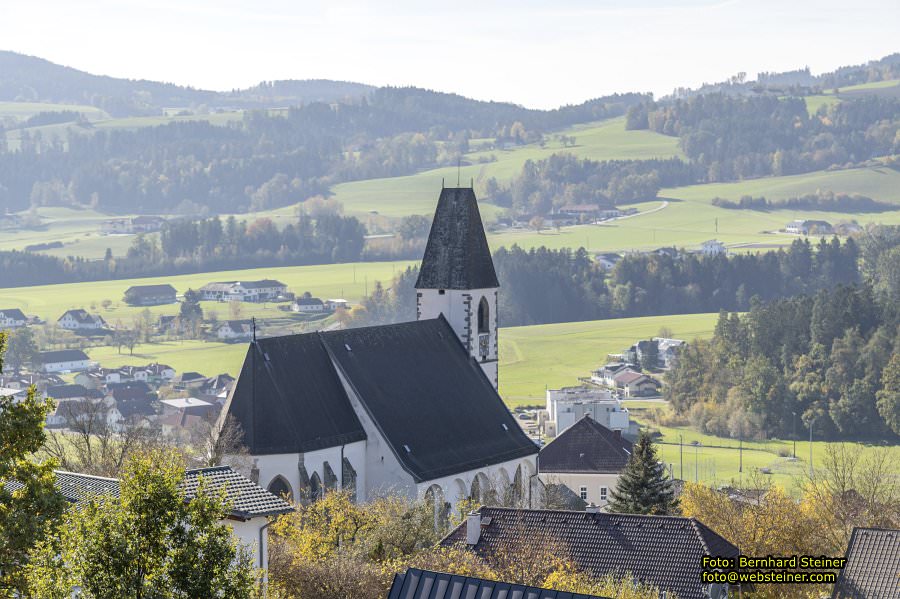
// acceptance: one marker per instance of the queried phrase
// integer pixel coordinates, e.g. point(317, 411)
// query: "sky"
point(540, 54)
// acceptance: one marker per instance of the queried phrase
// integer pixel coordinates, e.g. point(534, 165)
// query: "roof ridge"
point(82, 475)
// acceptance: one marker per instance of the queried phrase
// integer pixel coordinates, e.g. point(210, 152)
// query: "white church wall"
point(287, 465)
point(458, 486)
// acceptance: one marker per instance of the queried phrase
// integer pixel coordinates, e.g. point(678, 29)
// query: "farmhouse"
point(308, 304)
point(244, 291)
point(150, 295)
point(235, 329)
point(410, 408)
point(63, 360)
point(665, 551)
point(11, 318)
point(81, 320)
point(587, 458)
point(807, 227)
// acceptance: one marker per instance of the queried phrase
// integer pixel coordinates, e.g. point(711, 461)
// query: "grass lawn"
point(206, 357)
point(350, 281)
point(24, 110)
point(77, 229)
point(554, 355)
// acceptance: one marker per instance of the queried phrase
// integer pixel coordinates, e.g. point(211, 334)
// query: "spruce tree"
point(643, 487)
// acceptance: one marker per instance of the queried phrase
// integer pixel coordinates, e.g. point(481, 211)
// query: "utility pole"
point(812, 423)
point(696, 464)
point(741, 448)
point(794, 431)
point(681, 452)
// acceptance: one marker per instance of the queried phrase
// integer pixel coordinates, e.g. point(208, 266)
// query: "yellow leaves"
point(568, 578)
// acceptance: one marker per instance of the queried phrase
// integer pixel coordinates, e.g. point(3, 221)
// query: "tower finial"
point(253, 327)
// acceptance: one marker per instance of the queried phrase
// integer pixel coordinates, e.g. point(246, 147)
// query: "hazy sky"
point(539, 54)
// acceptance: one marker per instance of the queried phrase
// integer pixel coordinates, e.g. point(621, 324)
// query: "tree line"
point(826, 201)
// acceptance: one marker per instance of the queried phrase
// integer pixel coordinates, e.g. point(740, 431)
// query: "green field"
point(350, 281)
point(206, 357)
point(554, 355)
point(417, 194)
point(24, 110)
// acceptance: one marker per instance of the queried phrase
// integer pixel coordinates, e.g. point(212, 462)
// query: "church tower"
point(457, 277)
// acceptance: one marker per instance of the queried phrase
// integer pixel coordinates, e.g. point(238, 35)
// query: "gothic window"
point(484, 316)
point(280, 487)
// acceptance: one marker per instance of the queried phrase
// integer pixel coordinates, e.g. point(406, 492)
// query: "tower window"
point(484, 316)
point(441, 292)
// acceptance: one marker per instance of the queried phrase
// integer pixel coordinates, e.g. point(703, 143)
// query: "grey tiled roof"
point(61, 355)
point(873, 566)
point(586, 446)
point(246, 497)
point(424, 584)
point(664, 551)
point(457, 255)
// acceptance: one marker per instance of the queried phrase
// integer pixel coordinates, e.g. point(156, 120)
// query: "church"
point(409, 408)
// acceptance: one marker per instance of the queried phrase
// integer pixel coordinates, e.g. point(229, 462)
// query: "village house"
point(185, 414)
point(63, 360)
point(244, 291)
point(250, 507)
point(188, 380)
point(409, 408)
point(569, 405)
point(587, 458)
point(636, 384)
point(308, 304)
point(873, 562)
point(713, 247)
point(11, 318)
point(231, 330)
point(425, 584)
point(665, 551)
point(605, 375)
point(150, 295)
point(809, 227)
point(608, 260)
point(81, 320)
point(335, 303)
point(667, 350)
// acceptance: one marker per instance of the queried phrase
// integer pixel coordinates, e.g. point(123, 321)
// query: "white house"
point(63, 360)
point(76, 320)
point(335, 303)
point(668, 350)
point(805, 227)
point(636, 384)
point(713, 247)
point(308, 304)
point(244, 291)
point(251, 508)
point(11, 318)
point(587, 457)
point(235, 329)
point(568, 405)
point(410, 408)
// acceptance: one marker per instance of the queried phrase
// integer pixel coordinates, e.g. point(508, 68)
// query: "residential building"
point(250, 507)
point(409, 408)
point(605, 375)
point(188, 380)
point(608, 261)
point(90, 413)
point(244, 291)
point(11, 318)
point(809, 227)
point(185, 414)
point(63, 360)
point(713, 247)
point(587, 457)
point(872, 570)
point(235, 329)
point(62, 393)
point(667, 350)
point(334, 304)
point(150, 295)
point(308, 304)
point(636, 384)
point(425, 584)
point(81, 320)
point(568, 405)
point(665, 551)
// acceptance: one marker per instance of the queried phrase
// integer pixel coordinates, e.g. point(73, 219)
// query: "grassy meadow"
point(533, 358)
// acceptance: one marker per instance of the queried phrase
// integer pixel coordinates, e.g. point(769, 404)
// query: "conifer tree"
point(643, 487)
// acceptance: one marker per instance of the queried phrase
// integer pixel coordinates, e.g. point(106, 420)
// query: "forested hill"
point(31, 79)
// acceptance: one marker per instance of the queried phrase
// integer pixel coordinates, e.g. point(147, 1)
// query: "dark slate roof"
point(153, 290)
point(247, 499)
point(81, 315)
point(262, 283)
point(457, 255)
point(61, 355)
point(873, 565)
point(66, 391)
point(430, 400)
point(586, 446)
point(424, 584)
point(289, 399)
point(14, 313)
point(661, 550)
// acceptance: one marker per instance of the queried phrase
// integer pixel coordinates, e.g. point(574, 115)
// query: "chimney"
point(254, 472)
point(473, 528)
point(592, 509)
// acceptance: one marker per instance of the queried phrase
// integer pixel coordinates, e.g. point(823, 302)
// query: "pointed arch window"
point(484, 316)
point(315, 487)
point(280, 487)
